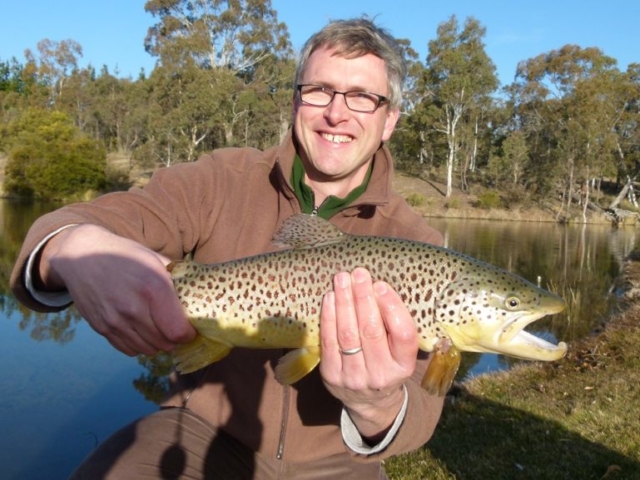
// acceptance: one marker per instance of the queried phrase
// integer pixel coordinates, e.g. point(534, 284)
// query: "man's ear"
point(393, 115)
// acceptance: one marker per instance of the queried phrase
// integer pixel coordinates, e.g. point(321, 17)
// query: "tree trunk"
point(623, 193)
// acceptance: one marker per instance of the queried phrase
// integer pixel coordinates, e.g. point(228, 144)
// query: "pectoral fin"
point(198, 353)
point(296, 364)
point(441, 371)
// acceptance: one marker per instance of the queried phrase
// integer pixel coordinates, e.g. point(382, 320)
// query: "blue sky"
point(112, 32)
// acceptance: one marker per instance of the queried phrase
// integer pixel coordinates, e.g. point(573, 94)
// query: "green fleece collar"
point(331, 204)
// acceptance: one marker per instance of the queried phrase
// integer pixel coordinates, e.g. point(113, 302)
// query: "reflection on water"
point(65, 388)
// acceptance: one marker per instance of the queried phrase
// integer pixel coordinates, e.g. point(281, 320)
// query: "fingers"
point(361, 314)
point(399, 323)
point(370, 323)
point(122, 289)
point(331, 364)
point(134, 324)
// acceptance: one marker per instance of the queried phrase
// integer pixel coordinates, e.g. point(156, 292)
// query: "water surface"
point(65, 388)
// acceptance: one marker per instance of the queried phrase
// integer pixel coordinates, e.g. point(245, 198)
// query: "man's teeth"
point(336, 138)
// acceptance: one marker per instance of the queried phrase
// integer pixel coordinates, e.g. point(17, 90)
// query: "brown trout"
point(459, 303)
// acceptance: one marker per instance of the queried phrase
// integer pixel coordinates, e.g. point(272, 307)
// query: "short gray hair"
point(355, 38)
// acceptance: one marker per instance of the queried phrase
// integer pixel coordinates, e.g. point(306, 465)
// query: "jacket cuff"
point(352, 438)
point(50, 299)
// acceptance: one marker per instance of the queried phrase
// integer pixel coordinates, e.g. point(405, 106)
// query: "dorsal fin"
point(307, 231)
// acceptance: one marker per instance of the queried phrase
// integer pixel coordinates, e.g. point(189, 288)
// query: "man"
point(233, 419)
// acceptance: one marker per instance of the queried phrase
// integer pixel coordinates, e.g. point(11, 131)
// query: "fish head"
point(488, 313)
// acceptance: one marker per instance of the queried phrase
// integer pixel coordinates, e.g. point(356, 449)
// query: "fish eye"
point(512, 302)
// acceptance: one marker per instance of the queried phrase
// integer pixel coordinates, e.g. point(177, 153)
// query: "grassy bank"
point(578, 418)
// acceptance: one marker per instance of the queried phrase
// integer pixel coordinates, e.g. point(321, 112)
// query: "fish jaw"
point(516, 342)
point(492, 320)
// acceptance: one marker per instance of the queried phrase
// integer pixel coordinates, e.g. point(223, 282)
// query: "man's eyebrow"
point(353, 88)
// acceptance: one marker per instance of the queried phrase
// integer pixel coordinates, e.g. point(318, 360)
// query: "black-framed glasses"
point(320, 96)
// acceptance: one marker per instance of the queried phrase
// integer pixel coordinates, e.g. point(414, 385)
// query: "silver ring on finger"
point(351, 351)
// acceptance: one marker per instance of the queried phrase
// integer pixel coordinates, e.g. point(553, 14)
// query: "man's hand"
point(359, 313)
point(120, 287)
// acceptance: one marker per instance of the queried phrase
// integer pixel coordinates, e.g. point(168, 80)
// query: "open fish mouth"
point(516, 342)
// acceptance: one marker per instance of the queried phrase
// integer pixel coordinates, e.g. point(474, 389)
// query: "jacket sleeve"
point(420, 420)
point(165, 216)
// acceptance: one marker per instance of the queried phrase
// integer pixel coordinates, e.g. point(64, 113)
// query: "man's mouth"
point(336, 138)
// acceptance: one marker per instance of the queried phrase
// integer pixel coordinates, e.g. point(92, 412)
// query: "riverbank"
point(425, 193)
point(427, 196)
point(572, 419)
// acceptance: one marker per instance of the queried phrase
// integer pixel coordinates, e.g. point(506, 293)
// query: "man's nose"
point(337, 110)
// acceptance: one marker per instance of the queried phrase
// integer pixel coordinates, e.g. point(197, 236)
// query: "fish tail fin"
point(198, 353)
point(441, 371)
point(296, 364)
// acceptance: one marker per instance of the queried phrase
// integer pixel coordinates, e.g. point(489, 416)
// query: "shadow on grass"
point(480, 439)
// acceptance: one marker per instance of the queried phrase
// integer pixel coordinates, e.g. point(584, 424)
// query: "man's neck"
point(340, 188)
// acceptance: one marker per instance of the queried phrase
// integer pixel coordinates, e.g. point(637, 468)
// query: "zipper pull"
point(314, 212)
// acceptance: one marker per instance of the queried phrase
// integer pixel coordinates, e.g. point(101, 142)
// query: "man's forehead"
point(328, 65)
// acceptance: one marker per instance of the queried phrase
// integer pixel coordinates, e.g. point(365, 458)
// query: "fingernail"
point(359, 275)
point(329, 297)
point(342, 279)
point(380, 288)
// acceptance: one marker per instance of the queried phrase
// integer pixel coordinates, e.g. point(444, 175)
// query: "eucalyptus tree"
point(54, 63)
point(409, 142)
point(461, 78)
point(510, 166)
point(568, 101)
point(216, 52)
point(628, 128)
point(188, 108)
point(78, 98)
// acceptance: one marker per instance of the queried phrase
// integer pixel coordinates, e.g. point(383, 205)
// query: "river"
point(65, 388)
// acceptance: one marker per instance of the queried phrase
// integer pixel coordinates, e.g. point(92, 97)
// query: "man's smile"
point(336, 138)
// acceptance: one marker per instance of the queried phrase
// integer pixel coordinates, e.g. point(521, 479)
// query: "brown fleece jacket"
point(225, 206)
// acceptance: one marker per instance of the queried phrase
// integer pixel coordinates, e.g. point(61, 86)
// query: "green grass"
point(578, 418)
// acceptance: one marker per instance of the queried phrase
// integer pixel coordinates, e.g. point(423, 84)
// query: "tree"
point(509, 165)
point(217, 59)
point(10, 78)
point(408, 143)
point(189, 109)
point(461, 77)
point(572, 95)
point(628, 128)
point(48, 157)
point(20, 88)
point(215, 33)
point(54, 64)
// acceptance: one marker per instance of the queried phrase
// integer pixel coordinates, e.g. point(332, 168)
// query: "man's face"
point(335, 142)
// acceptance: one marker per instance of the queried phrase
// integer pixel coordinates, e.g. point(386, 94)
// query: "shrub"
point(488, 200)
point(453, 203)
point(416, 200)
point(50, 158)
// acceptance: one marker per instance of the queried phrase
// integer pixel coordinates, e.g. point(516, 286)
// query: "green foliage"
point(489, 199)
point(416, 200)
point(453, 203)
point(461, 77)
point(10, 78)
point(223, 78)
point(50, 158)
